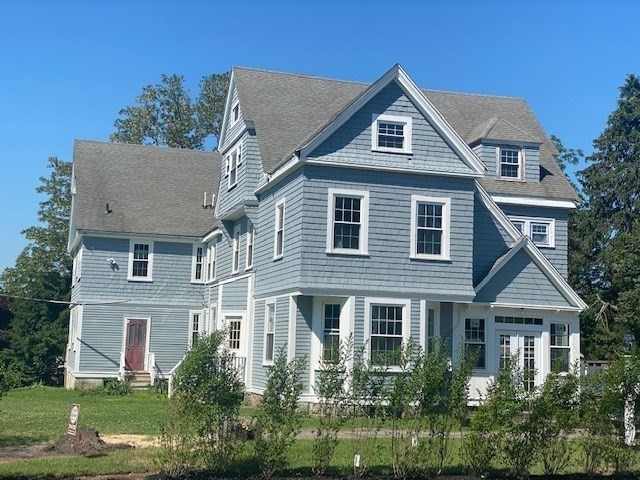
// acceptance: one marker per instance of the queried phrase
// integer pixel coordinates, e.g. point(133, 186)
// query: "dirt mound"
point(85, 442)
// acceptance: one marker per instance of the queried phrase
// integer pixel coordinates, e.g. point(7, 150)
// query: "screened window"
point(270, 321)
point(475, 341)
point(250, 239)
point(560, 347)
point(386, 334)
point(331, 333)
point(510, 166)
point(391, 133)
point(278, 246)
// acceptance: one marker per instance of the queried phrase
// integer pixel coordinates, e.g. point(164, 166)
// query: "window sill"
point(391, 150)
point(140, 279)
point(549, 247)
point(197, 282)
point(231, 187)
point(511, 179)
point(278, 257)
point(267, 363)
point(430, 258)
point(248, 268)
point(347, 253)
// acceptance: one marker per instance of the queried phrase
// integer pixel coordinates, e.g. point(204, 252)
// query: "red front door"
point(135, 344)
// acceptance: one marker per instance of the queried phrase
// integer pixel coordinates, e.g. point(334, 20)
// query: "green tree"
point(165, 115)
point(604, 248)
point(37, 329)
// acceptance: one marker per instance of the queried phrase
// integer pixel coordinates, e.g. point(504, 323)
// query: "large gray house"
point(333, 208)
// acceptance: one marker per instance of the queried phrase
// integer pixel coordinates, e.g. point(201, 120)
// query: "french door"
point(523, 348)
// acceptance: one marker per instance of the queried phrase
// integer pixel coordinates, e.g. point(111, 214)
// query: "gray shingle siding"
point(351, 143)
point(304, 312)
point(232, 130)
point(387, 268)
point(488, 155)
point(490, 241)
point(521, 282)
point(229, 198)
point(259, 372)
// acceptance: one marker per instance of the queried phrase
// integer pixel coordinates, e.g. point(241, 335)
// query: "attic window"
point(390, 133)
point(510, 163)
point(235, 113)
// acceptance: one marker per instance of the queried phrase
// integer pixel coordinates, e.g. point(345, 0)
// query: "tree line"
point(604, 231)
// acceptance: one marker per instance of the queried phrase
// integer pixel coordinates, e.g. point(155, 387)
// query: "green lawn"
point(41, 414)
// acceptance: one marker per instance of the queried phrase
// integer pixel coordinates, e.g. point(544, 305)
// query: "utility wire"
point(61, 302)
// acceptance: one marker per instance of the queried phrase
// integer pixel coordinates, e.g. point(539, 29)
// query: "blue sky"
point(67, 68)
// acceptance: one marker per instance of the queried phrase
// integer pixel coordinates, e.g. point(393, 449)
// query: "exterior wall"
point(351, 143)
point(234, 295)
point(304, 313)
point(230, 198)
point(103, 333)
point(236, 128)
point(558, 255)
point(282, 275)
point(488, 155)
point(171, 274)
point(521, 282)
point(490, 241)
point(387, 269)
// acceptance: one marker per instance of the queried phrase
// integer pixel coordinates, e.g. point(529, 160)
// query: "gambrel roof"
point(288, 110)
point(149, 190)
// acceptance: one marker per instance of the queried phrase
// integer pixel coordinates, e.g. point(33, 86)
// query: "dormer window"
point(510, 163)
point(390, 133)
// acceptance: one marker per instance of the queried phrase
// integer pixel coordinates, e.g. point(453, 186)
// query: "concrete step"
point(138, 380)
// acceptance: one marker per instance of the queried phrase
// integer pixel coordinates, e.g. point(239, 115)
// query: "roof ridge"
point(302, 75)
point(470, 94)
point(128, 145)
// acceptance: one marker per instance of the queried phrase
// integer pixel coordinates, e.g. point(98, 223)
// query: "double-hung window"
point(560, 347)
point(196, 327)
point(140, 261)
point(510, 163)
point(235, 113)
point(387, 330)
point(236, 253)
point(540, 230)
point(211, 261)
point(269, 332)
point(250, 239)
point(347, 221)
point(391, 133)
point(430, 227)
point(197, 267)
point(331, 332)
point(77, 267)
point(233, 160)
point(278, 233)
point(475, 340)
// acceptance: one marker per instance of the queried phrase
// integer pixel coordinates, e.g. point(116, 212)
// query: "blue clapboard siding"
point(415, 320)
point(224, 260)
point(387, 268)
point(231, 198)
point(522, 282)
point(358, 331)
point(259, 373)
point(304, 309)
point(488, 155)
point(351, 143)
point(171, 273)
point(558, 255)
point(234, 295)
point(277, 276)
point(490, 241)
point(103, 330)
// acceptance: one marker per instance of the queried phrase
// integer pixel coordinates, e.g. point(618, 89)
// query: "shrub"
point(116, 387)
point(205, 406)
point(278, 416)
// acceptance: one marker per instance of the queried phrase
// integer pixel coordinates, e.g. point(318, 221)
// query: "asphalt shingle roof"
point(289, 109)
point(150, 190)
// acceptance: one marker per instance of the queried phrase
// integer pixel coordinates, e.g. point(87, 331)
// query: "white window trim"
point(425, 306)
point(211, 256)
point(551, 222)
point(235, 254)
point(77, 267)
point(233, 107)
point(280, 203)
point(194, 262)
point(201, 325)
point(332, 193)
point(265, 360)
point(445, 253)
point(149, 277)
point(233, 160)
point(486, 339)
point(408, 126)
point(406, 322)
point(521, 158)
point(250, 244)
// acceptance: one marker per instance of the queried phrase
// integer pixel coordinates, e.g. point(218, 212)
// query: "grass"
point(118, 461)
point(41, 414)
